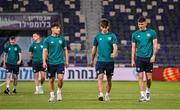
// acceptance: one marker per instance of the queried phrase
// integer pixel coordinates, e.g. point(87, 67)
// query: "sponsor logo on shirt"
point(100, 38)
point(52, 42)
point(41, 46)
point(138, 36)
point(35, 47)
point(109, 38)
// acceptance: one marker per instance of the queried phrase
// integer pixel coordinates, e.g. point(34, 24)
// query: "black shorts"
point(12, 68)
point(37, 67)
point(144, 65)
point(52, 70)
point(105, 67)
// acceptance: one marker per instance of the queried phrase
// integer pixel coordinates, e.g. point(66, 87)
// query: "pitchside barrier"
point(88, 73)
point(76, 73)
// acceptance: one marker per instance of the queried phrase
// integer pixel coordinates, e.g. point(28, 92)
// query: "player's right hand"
point(91, 64)
point(133, 64)
point(4, 65)
point(44, 65)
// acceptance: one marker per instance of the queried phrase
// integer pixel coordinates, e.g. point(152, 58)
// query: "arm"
point(30, 59)
point(66, 57)
point(45, 54)
point(30, 56)
point(20, 58)
point(114, 53)
point(155, 45)
point(133, 54)
point(4, 60)
point(93, 54)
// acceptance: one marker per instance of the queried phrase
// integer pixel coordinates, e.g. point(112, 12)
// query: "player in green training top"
point(12, 60)
point(35, 55)
point(55, 52)
point(106, 44)
point(144, 48)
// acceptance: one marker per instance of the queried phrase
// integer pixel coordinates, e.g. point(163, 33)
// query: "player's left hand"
point(113, 55)
point(66, 64)
point(19, 62)
point(152, 60)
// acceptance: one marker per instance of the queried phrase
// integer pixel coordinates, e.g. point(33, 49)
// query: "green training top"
point(12, 53)
point(36, 50)
point(55, 46)
point(144, 42)
point(104, 43)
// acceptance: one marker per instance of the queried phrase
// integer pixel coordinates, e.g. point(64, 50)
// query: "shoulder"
point(98, 35)
point(112, 34)
point(151, 30)
point(135, 33)
point(47, 38)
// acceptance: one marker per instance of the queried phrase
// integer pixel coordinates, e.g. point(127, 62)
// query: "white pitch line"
point(2, 84)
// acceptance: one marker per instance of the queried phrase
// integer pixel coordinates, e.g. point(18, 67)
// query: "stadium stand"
point(73, 22)
point(163, 16)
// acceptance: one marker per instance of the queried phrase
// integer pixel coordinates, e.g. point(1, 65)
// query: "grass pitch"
point(83, 95)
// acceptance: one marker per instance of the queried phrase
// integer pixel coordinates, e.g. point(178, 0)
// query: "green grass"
point(83, 95)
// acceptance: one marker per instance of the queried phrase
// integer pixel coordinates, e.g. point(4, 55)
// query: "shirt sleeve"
point(154, 34)
point(133, 38)
point(95, 42)
point(5, 48)
point(31, 48)
point(19, 49)
point(114, 39)
point(64, 43)
point(45, 43)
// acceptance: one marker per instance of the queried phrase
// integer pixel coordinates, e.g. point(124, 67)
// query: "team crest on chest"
point(15, 49)
point(52, 42)
point(35, 47)
point(109, 38)
point(9, 49)
point(41, 46)
point(138, 36)
point(148, 34)
point(100, 38)
point(60, 41)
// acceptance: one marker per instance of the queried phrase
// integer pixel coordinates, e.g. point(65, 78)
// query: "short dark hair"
point(12, 38)
point(141, 19)
point(104, 23)
point(37, 34)
point(55, 25)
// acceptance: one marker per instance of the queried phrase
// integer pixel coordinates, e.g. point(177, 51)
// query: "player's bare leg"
point(51, 89)
point(141, 86)
point(100, 87)
point(8, 80)
point(41, 82)
point(36, 81)
point(149, 82)
point(15, 82)
point(108, 87)
point(60, 85)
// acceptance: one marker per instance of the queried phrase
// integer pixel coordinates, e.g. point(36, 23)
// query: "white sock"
point(37, 89)
point(101, 94)
point(52, 94)
point(107, 94)
point(40, 87)
point(142, 93)
point(7, 86)
point(14, 87)
point(147, 90)
point(59, 90)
